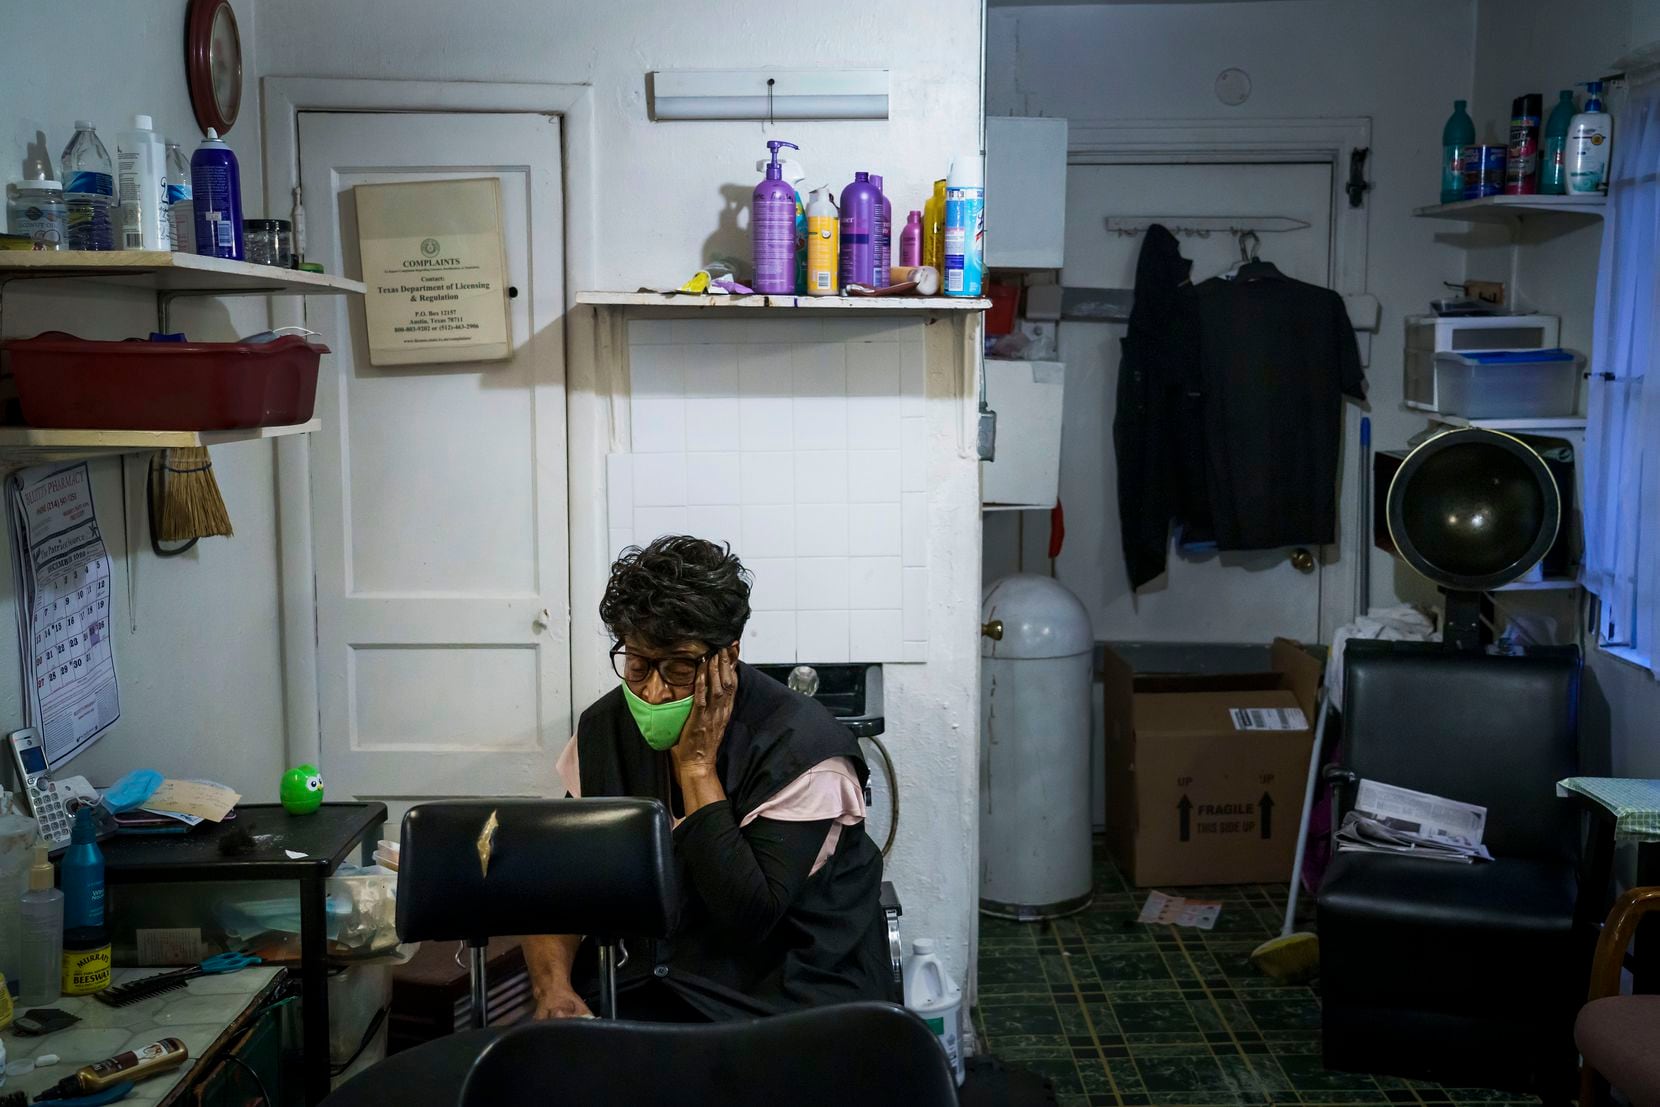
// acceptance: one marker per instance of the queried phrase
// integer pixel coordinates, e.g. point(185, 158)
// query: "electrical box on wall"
point(1025, 192)
point(1027, 396)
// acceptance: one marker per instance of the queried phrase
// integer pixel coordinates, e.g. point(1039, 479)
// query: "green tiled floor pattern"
point(1119, 1014)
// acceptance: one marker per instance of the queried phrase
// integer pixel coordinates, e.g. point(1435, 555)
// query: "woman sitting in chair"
point(781, 883)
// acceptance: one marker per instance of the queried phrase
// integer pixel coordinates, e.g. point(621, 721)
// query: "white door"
point(438, 491)
point(1231, 597)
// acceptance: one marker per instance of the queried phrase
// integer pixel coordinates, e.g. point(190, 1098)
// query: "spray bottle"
point(772, 223)
point(823, 243)
point(965, 227)
point(1590, 140)
point(40, 973)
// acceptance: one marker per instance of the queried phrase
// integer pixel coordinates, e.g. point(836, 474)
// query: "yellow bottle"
point(933, 228)
point(823, 244)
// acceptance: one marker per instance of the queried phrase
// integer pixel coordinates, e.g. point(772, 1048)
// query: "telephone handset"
point(53, 804)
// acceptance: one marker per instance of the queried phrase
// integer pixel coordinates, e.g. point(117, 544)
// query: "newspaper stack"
point(1386, 819)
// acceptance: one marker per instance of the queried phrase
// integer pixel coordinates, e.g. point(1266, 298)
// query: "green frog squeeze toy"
point(302, 790)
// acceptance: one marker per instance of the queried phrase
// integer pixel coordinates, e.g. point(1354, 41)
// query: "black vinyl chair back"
point(869, 1054)
point(1494, 731)
point(472, 870)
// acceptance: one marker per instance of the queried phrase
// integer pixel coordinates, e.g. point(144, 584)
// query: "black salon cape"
point(830, 946)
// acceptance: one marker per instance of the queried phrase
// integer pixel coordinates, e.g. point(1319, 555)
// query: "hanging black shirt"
point(1276, 357)
point(756, 935)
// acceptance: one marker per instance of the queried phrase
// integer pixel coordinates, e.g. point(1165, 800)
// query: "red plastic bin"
point(69, 382)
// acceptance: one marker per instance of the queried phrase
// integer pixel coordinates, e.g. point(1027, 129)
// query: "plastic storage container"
point(64, 381)
point(1508, 384)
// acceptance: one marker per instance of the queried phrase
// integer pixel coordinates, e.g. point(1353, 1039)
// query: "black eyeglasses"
point(677, 672)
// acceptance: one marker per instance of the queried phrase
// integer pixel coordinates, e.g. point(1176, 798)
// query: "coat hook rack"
point(1203, 226)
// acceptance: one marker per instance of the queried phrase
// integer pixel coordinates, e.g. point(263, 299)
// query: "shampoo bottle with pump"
point(1590, 140)
point(794, 174)
point(823, 243)
point(1553, 162)
point(772, 225)
point(41, 926)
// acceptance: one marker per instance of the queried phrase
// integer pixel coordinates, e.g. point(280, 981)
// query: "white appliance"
point(1036, 675)
point(1429, 335)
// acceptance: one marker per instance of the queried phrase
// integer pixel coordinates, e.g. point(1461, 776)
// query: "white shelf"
point(21, 447)
point(783, 303)
point(164, 271)
point(1539, 423)
point(1508, 209)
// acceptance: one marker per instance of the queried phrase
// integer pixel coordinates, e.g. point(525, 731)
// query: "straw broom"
point(191, 506)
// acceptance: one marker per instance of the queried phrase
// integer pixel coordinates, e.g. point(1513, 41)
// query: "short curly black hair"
point(674, 589)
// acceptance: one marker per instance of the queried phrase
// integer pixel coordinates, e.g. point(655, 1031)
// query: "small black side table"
point(325, 838)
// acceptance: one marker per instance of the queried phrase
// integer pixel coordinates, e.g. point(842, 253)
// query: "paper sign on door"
point(434, 261)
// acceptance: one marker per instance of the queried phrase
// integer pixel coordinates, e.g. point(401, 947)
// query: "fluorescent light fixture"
point(769, 94)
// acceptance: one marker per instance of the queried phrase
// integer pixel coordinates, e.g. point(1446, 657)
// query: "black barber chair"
point(870, 1054)
point(472, 870)
point(1467, 974)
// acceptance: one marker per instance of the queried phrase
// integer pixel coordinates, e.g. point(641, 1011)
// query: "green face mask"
point(660, 723)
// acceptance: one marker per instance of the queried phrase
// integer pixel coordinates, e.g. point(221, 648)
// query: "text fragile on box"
point(1205, 773)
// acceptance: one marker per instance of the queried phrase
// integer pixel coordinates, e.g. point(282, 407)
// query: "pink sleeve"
point(569, 770)
point(829, 790)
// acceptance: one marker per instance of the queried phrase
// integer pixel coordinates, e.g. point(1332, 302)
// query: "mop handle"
point(1308, 812)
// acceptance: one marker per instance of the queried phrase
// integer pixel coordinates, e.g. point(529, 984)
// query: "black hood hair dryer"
point(1472, 510)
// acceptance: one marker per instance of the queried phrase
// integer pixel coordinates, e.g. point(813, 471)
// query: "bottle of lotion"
point(1590, 140)
point(910, 241)
point(772, 226)
point(823, 243)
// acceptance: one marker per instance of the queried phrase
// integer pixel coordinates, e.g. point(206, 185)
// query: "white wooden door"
point(1203, 597)
point(439, 491)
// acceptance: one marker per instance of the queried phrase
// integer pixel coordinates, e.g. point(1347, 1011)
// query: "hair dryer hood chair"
point(1472, 510)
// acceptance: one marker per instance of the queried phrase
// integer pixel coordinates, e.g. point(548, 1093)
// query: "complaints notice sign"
point(435, 265)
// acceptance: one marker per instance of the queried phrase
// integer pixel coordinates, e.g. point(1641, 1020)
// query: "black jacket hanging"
point(831, 944)
point(1153, 371)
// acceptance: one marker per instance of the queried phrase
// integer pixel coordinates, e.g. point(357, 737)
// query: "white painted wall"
point(1306, 58)
point(667, 196)
point(200, 678)
point(1537, 46)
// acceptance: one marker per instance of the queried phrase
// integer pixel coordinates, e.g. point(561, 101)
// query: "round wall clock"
point(213, 63)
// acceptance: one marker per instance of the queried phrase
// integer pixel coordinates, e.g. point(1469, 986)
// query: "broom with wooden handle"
point(191, 506)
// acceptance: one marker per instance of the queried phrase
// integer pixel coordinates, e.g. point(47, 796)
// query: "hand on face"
point(712, 695)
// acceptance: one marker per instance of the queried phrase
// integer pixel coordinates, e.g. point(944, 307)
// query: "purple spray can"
point(772, 225)
point(861, 208)
point(884, 233)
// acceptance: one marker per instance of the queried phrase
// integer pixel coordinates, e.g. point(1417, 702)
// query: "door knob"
point(540, 623)
point(1302, 559)
point(993, 630)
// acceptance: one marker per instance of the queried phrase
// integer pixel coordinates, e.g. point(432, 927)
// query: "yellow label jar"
point(86, 962)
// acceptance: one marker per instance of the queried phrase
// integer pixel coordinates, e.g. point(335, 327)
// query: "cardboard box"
point(1205, 774)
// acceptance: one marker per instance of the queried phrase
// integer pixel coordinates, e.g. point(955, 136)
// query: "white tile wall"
point(801, 442)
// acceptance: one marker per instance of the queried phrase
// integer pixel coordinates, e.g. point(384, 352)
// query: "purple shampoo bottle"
point(861, 208)
point(772, 226)
point(910, 241)
point(884, 233)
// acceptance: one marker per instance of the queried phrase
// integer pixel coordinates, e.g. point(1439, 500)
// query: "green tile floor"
point(1119, 1014)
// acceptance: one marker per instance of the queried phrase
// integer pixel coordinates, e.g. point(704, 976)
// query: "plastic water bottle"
point(89, 190)
point(931, 993)
point(179, 208)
